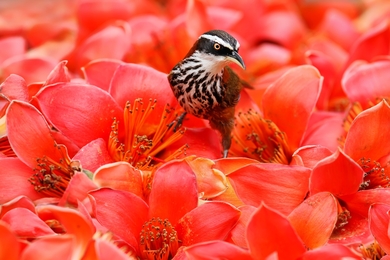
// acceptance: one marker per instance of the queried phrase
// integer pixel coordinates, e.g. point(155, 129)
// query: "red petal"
point(106, 250)
point(309, 156)
point(77, 189)
point(379, 224)
point(377, 36)
point(371, 144)
point(196, 18)
point(15, 171)
point(357, 77)
point(337, 174)
point(18, 202)
point(31, 69)
point(238, 234)
point(59, 74)
point(210, 221)
point(100, 72)
point(290, 101)
point(117, 36)
point(9, 246)
point(174, 192)
point(93, 155)
point(132, 81)
point(354, 232)
point(14, 87)
point(15, 45)
point(270, 232)
point(324, 128)
point(361, 201)
point(282, 187)
point(29, 134)
point(61, 248)
point(331, 251)
point(81, 112)
point(26, 224)
point(121, 212)
point(120, 176)
point(315, 218)
point(216, 250)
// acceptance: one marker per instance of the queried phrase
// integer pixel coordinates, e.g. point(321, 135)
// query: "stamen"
point(144, 142)
point(5, 147)
point(353, 112)
point(52, 177)
point(372, 251)
point(260, 139)
point(159, 240)
point(376, 173)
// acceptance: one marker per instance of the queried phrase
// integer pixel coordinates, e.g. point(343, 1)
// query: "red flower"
point(172, 210)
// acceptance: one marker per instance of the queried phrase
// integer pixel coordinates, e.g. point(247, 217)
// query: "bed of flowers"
point(90, 169)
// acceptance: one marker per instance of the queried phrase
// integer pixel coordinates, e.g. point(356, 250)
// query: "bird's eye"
point(217, 46)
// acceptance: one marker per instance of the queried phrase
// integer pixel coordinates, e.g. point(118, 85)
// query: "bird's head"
point(216, 49)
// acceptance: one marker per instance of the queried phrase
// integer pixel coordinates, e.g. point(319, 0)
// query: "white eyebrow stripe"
point(217, 40)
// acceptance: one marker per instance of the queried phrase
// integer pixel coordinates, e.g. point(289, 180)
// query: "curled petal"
point(18, 202)
point(59, 74)
point(309, 156)
point(77, 190)
point(120, 176)
point(14, 87)
point(238, 234)
point(211, 182)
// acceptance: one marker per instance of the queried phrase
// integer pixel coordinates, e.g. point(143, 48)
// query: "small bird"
point(205, 86)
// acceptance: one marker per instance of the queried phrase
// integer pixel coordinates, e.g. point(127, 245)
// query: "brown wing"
point(233, 85)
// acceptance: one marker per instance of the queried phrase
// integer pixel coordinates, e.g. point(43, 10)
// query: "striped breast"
point(197, 90)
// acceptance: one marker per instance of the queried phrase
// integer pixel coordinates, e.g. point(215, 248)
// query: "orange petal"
point(211, 182)
point(268, 232)
point(331, 251)
point(315, 218)
point(290, 101)
point(238, 234)
point(9, 246)
point(120, 176)
point(231, 164)
point(61, 248)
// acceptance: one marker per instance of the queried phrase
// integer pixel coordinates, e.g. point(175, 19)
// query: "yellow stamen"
point(353, 112)
point(372, 251)
point(260, 139)
point(143, 142)
point(159, 240)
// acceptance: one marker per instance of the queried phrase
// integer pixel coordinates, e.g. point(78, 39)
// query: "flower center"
point(51, 177)
point(159, 240)
point(376, 173)
point(372, 251)
point(260, 139)
point(5, 147)
point(142, 141)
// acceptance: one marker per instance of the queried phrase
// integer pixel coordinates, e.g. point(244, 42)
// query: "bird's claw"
point(178, 122)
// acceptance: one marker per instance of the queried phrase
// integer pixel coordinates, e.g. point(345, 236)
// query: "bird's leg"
point(225, 128)
point(178, 122)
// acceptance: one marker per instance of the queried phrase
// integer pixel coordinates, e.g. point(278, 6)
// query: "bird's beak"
point(236, 58)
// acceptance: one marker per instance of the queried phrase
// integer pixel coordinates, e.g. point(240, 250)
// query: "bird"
point(206, 87)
